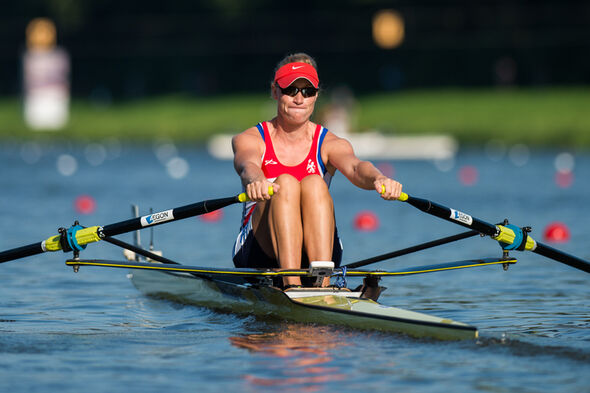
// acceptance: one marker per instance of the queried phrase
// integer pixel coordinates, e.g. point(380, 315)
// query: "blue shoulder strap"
point(260, 129)
point(323, 133)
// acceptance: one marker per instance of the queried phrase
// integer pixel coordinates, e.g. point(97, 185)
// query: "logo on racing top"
point(157, 218)
point(461, 217)
point(310, 166)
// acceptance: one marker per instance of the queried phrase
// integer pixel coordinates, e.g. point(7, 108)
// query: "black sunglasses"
point(292, 91)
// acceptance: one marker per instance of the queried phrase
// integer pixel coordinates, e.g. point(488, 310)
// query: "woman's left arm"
point(339, 154)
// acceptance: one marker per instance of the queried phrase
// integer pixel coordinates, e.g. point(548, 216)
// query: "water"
point(93, 331)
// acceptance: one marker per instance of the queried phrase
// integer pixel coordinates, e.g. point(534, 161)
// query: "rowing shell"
point(306, 305)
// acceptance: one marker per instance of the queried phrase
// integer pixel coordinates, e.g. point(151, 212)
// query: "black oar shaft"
point(121, 227)
point(408, 250)
point(493, 231)
point(453, 216)
point(562, 257)
point(21, 252)
point(176, 214)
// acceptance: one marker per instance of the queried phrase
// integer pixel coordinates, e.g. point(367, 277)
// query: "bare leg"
point(300, 216)
point(317, 210)
point(278, 226)
point(286, 229)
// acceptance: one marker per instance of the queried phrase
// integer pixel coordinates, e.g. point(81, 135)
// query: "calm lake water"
point(94, 332)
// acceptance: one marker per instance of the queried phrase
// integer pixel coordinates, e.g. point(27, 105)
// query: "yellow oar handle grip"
point(402, 198)
point(244, 198)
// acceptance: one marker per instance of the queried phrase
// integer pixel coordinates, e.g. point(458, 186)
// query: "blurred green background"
point(186, 70)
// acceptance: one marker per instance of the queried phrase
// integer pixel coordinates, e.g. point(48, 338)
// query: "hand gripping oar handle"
point(509, 237)
point(78, 239)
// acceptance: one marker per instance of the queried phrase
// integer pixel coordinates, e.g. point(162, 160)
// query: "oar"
point(76, 237)
point(509, 236)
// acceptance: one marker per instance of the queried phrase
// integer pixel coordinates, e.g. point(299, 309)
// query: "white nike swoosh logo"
point(296, 68)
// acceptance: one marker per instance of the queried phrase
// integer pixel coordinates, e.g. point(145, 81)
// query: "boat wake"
point(534, 346)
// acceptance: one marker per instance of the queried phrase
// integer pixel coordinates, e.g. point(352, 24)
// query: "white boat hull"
point(325, 306)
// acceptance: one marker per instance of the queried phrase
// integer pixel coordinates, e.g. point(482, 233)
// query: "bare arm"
point(363, 174)
point(248, 148)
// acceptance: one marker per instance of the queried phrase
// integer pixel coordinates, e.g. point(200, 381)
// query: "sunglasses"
point(292, 91)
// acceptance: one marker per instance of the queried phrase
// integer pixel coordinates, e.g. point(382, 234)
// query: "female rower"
point(297, 158)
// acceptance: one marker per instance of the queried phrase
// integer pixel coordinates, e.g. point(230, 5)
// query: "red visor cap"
point(290, 72)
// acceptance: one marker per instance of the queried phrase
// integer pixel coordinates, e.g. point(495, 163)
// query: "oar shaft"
point(501, 233)
point(21, 252)
point(93, 234)
point(562, 257)
point(453, 216)
point(162, 217)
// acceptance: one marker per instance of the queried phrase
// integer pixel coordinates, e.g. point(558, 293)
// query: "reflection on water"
point(306, 355)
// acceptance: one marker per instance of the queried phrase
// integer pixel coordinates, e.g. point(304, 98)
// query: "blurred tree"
point(69, 14)
point(132, 48)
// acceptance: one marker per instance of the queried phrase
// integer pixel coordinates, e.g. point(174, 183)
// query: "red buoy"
point(468, 175)
point(366, 221)
point(85, 204)
point(556, 232)
point(214, 216)
point(387, 169)
point(564, 179)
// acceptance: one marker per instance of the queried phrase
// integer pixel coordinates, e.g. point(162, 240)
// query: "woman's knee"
point(289, 184)
point(287, 180)
point(314, 186)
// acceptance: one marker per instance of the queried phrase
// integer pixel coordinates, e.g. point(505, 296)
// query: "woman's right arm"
point(248, 149)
